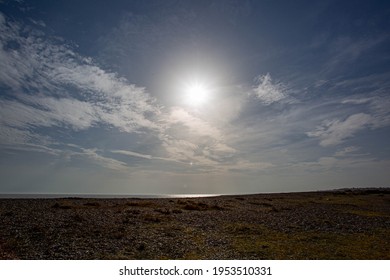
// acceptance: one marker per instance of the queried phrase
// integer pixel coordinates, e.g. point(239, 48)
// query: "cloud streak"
point(335, 131)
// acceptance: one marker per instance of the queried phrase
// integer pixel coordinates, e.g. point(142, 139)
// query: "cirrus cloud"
point(267, 91)
point(336, 131)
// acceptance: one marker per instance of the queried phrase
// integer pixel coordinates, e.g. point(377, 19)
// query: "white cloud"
point(38, 22)
point(33, 148)
point(381, 110)
point(135, 154)
point(190, 139)
point(187, 152)
point(78, 114)
point(131, 154)
point(356, 101)
point(94, 157)
point(335, 132)
point(81, 93)
point(347, 151)
point(341, 164)
point(19, 115)
point(378, 105)
point(247, 166)
point(267, 91)
point(12, 136)
point(50, 85)
point(117, 102)
point(195, 125)
point(50, 112)
point(322, 164)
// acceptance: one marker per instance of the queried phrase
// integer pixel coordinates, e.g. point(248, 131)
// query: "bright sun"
point(196, 94)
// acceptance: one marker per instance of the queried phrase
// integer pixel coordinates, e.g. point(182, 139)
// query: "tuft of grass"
point(163, 211)
point(152, 218)
point(200, 206)
point(93, 204)
point(366, 213)
point(351, 200)
point(61, 206)
point(118, 234)
point(140, 204)
point(216, 207)
point(77, 218)
point(182, 202)
point(133, 212)
point(265, 204)
point(192, 207)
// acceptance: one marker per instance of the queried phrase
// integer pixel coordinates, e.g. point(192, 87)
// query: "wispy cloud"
point(187, 152)
point(70, 90)
point(267, 91)
point(48, 85)
point(333, 132)
point(246, 166)
point(379, 106)
point(94, 157)
point(194, 124)
point(364, 111)
point(191, 139)
point(33, 148)
point(131, 154)
point(348, 151)
point(345, 49)
point(337, 164)
point(47, 112)
point(73, 93)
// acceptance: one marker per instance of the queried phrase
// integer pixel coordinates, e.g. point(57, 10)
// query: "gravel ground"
point(346, 224)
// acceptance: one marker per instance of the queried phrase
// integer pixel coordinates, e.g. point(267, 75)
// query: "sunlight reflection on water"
point(40, 195)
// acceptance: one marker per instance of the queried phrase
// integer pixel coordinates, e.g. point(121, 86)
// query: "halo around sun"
point(196, 93)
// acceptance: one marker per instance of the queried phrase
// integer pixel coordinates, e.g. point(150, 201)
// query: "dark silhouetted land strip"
point(345, 224)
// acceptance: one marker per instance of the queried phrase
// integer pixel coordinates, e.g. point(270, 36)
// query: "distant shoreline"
point(150, 196)
point(105, 196)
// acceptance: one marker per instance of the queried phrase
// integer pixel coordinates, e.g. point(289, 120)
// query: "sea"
point(107, 196)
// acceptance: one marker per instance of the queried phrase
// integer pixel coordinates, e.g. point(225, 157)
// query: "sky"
point(193, 97)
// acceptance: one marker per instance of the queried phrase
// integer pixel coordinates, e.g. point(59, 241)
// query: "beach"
point(342, 224)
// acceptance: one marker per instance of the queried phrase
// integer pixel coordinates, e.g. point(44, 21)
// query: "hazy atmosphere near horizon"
point(165, 97)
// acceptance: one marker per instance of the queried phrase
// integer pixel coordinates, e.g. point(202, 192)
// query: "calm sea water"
point(30, 196)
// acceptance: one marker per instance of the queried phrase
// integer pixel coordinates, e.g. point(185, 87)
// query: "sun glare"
point(196, 94)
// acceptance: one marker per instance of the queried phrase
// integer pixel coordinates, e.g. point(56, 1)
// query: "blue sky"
point(161, 97)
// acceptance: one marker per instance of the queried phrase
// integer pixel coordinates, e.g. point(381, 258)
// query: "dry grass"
point(262, 243)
